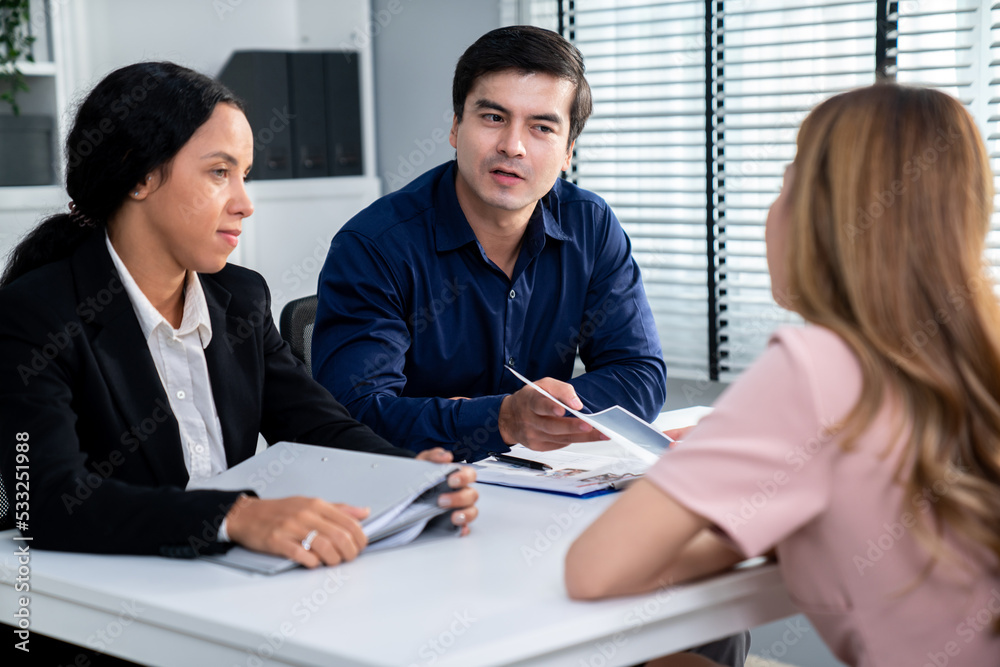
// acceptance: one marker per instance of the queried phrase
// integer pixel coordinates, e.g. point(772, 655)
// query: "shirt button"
point(200, 449)
point(510, 361)
point(512, 294)
point(181, 395)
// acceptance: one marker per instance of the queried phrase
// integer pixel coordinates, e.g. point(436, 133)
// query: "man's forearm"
point(468, 427)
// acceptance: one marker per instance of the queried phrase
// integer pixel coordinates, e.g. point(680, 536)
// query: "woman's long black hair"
point(135, 120)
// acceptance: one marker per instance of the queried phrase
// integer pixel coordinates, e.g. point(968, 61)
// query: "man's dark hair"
point(527, 49)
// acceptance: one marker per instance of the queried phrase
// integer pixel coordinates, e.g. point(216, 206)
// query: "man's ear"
point(569, 155)
point(453, 135)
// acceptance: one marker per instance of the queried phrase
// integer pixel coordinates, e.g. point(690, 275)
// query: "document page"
point(639, 438)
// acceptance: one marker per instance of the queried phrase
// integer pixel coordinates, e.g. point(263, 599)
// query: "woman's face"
point(194, 209)
point(776, 235)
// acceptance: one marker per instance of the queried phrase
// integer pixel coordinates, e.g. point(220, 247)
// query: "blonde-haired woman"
point(865, 446)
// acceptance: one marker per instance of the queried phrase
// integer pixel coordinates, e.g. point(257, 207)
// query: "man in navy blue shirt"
point(486, 261)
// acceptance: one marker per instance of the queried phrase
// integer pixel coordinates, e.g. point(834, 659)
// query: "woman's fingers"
point(461, 478)
point(309, 531)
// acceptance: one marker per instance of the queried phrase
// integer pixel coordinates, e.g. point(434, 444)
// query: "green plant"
point(15, 44)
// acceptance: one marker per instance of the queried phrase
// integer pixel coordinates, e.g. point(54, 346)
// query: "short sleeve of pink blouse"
point(761, 464)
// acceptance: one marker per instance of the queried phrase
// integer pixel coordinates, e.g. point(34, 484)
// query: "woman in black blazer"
point(104, 308)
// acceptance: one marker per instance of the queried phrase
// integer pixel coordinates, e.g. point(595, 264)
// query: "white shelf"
point(37, 69)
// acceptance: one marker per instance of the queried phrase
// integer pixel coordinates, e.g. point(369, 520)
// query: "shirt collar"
point(195, 316)
point(452, 229)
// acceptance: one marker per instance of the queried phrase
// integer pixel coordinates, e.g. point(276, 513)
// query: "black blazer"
point(79, 392)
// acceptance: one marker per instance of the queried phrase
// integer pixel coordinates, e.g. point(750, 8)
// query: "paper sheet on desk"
point(639, 439)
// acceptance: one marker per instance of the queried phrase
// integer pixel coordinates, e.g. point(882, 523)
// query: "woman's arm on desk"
point(646, 540)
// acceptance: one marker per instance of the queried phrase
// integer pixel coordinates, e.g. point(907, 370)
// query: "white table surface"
point(495, 597)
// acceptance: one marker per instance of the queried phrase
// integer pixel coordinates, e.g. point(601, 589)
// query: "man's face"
point(512, 142)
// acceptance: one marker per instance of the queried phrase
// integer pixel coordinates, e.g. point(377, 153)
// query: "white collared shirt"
point(179, 357)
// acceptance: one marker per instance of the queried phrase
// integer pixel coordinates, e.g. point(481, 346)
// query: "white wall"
point(201, 33)
point(416, 46)
point(194, 33)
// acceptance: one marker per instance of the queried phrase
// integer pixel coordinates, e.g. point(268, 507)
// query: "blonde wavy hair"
point(890, 207)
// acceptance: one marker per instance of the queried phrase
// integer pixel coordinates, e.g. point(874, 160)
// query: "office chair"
point(298, 318)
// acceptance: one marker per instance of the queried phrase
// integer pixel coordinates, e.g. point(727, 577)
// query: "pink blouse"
point(764, 468)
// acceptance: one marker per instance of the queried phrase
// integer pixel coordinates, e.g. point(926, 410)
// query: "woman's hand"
point(463, 498)
point(283, 528)
point(678, 434)
point(436, 455)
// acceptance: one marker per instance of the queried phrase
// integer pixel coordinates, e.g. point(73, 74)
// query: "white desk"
point(495, 597)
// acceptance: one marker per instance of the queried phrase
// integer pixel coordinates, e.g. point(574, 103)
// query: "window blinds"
point(779, 59)
point(696, 108)
point(644, 151)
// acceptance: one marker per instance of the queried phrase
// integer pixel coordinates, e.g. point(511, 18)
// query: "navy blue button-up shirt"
point(412, 313)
